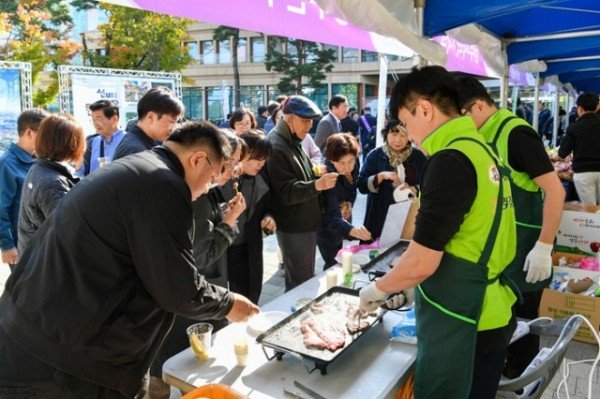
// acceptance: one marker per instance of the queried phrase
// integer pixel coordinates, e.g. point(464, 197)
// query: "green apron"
point(447, 324)
point(529, 214)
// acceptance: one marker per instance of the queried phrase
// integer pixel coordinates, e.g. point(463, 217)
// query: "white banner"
point(125, 91)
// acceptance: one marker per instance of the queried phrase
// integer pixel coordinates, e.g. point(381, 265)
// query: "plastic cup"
point(240, 348)
point(332, 278)
point(319, 168)
point(103, 161)
point(200, 336)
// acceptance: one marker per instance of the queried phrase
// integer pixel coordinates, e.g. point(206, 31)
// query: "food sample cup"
point(200, 336)
point(240, 348)
point(332, 278)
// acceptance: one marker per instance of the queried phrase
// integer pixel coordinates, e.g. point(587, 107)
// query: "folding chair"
point(532, 383)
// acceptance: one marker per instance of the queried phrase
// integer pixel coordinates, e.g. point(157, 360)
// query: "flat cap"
point(302, 107)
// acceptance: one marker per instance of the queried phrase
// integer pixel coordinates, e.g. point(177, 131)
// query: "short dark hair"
point(281, 98)
point(340, 144)
point(60, 138)
point(336, 100)
point(204, 134)
point(470, 89)
point(31, 119)
point(433, 83)
point(259, 147)
point(109, 109)
point(588, 101)
point(235, 142)
point(238, 115)
point(273, 107)
point(390, 125)
point(161, 101)
point(262, 109)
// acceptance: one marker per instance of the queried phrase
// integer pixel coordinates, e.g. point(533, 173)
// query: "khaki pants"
point(587, 185)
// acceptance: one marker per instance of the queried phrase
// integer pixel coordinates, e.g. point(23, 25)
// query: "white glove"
point(403, 299)
point(371, 297)
point(538, 263)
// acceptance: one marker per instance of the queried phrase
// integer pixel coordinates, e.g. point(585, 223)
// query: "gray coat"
point(326, 127)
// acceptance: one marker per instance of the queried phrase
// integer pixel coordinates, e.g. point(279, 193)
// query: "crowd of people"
point(116, 239)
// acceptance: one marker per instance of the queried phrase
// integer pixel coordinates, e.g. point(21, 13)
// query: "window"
point(258, 49)
point(349, 55)
point(225, 52)
point(391, 57)
point(251, 97)
point(219, 101)
point(208, 52)
point(272, 93)
point(291, 49)
point(192, 99)
point(335, 49)
point(242, 50)
point(317, 94)
point(368, 56)
point(193, 50)
point(350, 90)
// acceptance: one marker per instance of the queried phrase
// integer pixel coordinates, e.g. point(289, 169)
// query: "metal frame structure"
point(26, 85)
point(66, 71)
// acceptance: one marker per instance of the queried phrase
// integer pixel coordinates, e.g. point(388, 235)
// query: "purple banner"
point(463, 57)
point(288, 18)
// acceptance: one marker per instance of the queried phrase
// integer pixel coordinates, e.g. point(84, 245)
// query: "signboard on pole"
point(15, 96)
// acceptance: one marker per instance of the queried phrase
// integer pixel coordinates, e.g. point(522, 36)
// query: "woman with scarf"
point(395, 163)
point(336, 224)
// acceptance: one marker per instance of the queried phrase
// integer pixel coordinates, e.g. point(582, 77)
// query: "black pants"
point(24, 376)
point(328, 252)
point(244, 273)
point(522, 351)
point(487, 373)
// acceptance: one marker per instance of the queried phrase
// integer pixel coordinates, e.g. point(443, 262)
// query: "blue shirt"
point(110, 147)
point(14, 166)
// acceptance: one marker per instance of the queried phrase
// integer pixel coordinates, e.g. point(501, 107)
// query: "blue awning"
point(563, 33)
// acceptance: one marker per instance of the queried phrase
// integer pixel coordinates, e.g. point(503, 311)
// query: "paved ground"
point(274, 286)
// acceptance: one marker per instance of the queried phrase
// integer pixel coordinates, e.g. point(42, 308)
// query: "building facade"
point(208, 80)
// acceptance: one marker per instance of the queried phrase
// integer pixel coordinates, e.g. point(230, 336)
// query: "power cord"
point(567, 365)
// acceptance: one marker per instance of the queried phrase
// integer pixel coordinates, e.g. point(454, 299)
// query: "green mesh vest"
point(470, 239)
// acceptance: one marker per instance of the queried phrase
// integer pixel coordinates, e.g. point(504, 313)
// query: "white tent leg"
point(556, 120)
point(536, 101)
point(383, 71)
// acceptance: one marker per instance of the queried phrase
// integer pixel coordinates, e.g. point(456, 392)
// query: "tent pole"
point(568, 35)
point(381, 96)
point(536, 101)
point(504, 80)
point(515, 98)
point(419, 60)
point(556, 120)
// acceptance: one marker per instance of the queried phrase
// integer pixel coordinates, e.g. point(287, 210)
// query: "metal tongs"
point(306, 393)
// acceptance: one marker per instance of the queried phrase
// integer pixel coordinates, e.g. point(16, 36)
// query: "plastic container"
point(213, 391)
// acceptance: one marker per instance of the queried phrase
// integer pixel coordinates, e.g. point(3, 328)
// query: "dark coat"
point(246, 273)
point(14, 166)
point(46, 184)
point(381, 197)
point(334, 228)
point(296, 206)
point(133, 142)
point(583, 139)
point(119, 253)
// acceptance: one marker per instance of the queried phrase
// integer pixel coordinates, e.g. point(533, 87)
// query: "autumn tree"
point(303, 61)
point(36, 31)
point(233, 34)
point(141, 40)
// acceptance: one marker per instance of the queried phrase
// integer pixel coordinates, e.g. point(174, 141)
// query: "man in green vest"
point(538, 196)
point(464, 239)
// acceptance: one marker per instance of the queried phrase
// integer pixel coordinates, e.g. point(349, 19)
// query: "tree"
point(141, 40)
point(233, 34)
point(302, 61)
point(36, 31)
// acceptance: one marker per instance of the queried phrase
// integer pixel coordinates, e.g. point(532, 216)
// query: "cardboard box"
point(559, 305)
point(579, 228)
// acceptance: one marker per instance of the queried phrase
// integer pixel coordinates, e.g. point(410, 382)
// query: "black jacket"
point(295, 203)
point(133, 142)
point(47, 183)
point(583, 139)
point(96, 291)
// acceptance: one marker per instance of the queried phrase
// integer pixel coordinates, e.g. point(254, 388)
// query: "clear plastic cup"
point(200, 336)
point(240, 348)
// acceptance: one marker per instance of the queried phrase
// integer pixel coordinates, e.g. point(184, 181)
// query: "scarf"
point(397, 158)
